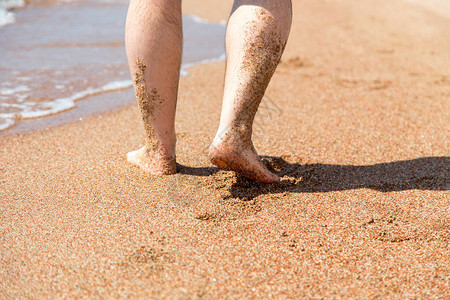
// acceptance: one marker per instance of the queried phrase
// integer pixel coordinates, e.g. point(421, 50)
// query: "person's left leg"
point(256, 36)
point(154, 45)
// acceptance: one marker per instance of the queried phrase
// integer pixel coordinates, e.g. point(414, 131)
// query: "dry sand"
point(356, 116)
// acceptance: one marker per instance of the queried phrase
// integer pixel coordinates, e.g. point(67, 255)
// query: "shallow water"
point(6, 15)
point(55, 56)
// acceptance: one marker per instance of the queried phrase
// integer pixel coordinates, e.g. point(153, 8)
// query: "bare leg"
point(256, 36)
point(154, 45)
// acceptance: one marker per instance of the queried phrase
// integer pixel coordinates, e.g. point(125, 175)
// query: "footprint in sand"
point(370, 84)
point(295, 62)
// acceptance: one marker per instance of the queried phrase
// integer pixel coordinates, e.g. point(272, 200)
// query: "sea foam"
point(31, 110)
point(6, 16)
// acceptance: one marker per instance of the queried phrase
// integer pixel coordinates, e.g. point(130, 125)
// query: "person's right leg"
point(154, 44)
point(256, 36)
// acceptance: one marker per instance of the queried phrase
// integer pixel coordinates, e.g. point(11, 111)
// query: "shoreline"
point(38, 79)
point(37, 123)
point(92, 105)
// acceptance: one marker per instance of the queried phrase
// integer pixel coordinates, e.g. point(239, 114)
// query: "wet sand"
point(356, 116)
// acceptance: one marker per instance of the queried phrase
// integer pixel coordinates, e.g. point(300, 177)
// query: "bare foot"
point(230, 155)
point(154, 163)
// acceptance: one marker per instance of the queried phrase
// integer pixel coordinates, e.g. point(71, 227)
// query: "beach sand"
point(356, 119)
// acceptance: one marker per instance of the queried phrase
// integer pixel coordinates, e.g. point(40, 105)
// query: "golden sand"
point(362, 134)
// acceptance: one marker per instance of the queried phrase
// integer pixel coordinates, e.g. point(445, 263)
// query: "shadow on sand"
point(427, 173)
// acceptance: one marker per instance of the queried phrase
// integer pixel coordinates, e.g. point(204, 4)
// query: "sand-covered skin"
point(355, 121)
point(146, 100)
point(152, 158)
point(262, 48)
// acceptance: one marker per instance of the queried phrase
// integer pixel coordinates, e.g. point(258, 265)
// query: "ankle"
point(235, 131)
point(161, 150)
point(164, 144)
point(233, 139)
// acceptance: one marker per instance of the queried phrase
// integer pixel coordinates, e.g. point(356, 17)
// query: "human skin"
point(256, 36)
point(153, 38)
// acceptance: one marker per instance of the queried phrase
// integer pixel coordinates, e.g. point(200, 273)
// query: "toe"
point(272, 178)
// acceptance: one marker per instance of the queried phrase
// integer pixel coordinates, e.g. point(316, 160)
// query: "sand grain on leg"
point(152, 158)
